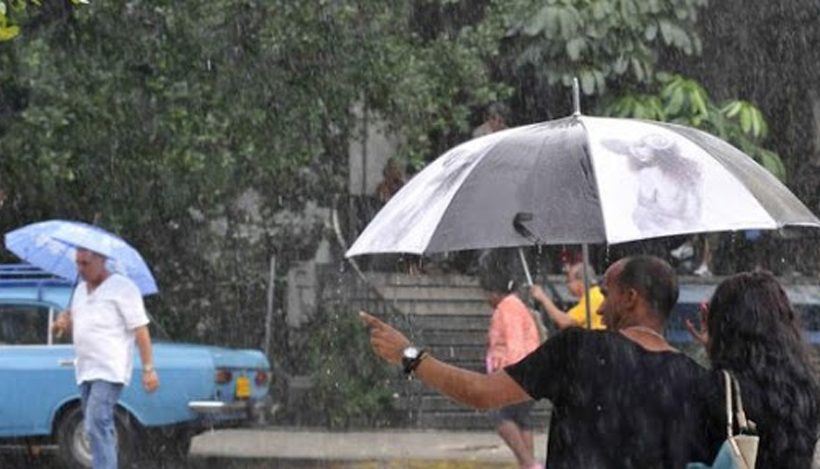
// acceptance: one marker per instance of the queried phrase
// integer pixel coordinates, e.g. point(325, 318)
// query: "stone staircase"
point(449, 315)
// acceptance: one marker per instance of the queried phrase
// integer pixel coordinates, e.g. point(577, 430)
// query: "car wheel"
point(74, 449)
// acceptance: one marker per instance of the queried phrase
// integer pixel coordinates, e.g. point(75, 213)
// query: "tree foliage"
point(616, 49)
point(601, 41)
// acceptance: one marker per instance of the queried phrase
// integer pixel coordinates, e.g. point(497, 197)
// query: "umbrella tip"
point(576, 97)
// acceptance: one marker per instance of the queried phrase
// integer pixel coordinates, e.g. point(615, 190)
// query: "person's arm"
point(700, 333)
point(150, 379)
point(561, 319)
point(497, 346)
point(62, 324)
point(468, 387)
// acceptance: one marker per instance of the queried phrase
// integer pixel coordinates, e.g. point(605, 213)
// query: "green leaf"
point(600, 81)
point(772, 162)
point(539, 23)
point(587, 82)
point(732, 108)
point(574, 48)
point(620, 65)
point(568, 23)
point(638, 69)
point(675, 103)
point(8, 33)
point(666, 31)
point(745, 121)
point(699, 98)
point(651, 31)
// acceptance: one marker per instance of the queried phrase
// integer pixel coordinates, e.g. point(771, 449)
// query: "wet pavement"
point(371, 449)
point(297, 448)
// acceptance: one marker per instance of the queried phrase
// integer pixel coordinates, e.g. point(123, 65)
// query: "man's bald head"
point(637, 289)
point(654, 280)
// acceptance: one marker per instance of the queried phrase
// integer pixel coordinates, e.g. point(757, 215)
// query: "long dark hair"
point(754, 332)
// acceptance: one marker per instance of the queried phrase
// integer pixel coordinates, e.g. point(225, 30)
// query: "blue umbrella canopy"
point(52, 246)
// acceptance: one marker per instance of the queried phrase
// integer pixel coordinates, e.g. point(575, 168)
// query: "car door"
point(37, 376)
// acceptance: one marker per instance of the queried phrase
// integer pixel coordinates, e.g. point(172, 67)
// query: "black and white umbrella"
point(581, 180)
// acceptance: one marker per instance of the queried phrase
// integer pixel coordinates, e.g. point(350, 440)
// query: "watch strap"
point(411, 365)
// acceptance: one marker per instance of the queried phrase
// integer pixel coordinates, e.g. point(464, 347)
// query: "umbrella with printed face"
point(52, 245)
point(581, 180)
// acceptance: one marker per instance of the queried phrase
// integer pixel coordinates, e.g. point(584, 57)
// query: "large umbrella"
point(51, 245)
point(581, 180)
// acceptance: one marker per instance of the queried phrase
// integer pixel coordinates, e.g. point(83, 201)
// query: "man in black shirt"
point(622, 398)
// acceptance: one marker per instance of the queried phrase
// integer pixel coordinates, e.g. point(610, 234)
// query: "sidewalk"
point(396, 448)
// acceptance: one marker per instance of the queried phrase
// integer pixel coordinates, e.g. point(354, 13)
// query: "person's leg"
point(527, 439)
point(511, 434)
point(99, 423)
point(523, 419)
point(85, 388)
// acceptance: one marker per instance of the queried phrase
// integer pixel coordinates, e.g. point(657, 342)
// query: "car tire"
point(74, 451)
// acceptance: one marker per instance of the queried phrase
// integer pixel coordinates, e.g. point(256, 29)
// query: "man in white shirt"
point(106, 317)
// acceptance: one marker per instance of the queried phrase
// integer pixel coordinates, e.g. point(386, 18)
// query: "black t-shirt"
point(615, 404)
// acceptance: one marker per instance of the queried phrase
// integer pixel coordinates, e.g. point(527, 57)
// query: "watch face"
point(411, 353)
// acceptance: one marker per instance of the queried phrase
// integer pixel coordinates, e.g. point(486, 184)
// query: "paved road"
point(299, 449)
point(385, 445)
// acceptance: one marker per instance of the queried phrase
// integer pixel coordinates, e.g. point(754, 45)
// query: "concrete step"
point(434, 307)
point(432, 292)
point(444, 322)
point(397, 279)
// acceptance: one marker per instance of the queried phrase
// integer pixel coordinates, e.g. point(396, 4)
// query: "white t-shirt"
point(103, 329)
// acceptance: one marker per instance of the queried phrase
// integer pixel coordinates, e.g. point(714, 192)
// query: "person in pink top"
point(513, 334)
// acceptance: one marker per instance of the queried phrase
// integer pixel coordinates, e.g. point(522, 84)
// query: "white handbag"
point(739, 451)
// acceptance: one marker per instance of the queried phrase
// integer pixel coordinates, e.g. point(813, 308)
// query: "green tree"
point(617, 48)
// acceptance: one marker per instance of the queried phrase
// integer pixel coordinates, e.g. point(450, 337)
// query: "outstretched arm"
point(468, 387)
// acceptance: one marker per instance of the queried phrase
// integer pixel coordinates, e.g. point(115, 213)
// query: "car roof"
point(27, 282)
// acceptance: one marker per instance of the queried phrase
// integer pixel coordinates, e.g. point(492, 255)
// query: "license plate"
point(243, 387)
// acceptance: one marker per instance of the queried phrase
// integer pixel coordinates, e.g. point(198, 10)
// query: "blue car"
point(201, 387)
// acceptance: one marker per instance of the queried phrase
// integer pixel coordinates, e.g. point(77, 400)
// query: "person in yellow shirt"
point(577, 315)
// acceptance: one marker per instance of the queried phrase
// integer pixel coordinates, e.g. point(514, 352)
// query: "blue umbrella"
point(52, 246)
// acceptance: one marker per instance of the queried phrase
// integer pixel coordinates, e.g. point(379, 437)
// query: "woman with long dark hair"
point(753, 331)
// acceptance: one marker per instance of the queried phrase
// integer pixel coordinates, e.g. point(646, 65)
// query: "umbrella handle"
point(525, 266)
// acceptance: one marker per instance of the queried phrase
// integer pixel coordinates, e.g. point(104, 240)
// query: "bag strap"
point(732, 390)
point(744, 424)
point(727, 392)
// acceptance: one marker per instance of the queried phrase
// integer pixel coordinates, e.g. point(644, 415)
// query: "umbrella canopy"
point(581, 180)
point(51, 245)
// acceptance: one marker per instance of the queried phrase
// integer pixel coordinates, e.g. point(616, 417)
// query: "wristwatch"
point(147, 368)
point(411, 357)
